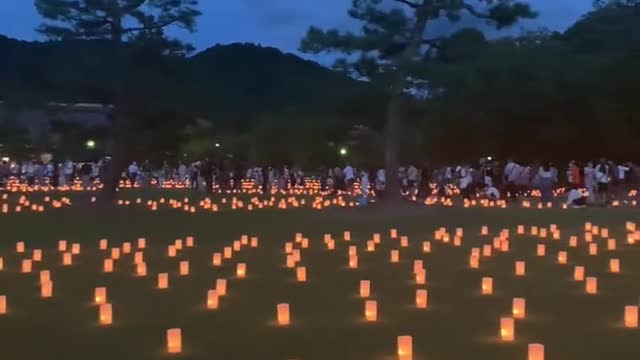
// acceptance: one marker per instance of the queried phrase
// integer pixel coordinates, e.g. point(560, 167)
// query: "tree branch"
point(408, 3)
point(475, 12)
point(151, 27)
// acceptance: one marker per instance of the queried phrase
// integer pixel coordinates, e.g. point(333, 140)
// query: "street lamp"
point(343, 151)
point(90, 144)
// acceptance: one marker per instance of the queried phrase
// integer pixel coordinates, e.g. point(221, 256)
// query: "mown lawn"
point(326, 311)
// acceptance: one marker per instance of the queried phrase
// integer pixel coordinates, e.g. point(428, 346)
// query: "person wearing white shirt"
point(603, 178)
point(465, 182)
point(492, 193)
point(133, 171)
point(590, 180)
point(512, 173)
point(349, 175)
point(575, 198)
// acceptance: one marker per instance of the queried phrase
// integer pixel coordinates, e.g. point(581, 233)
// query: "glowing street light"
point(90, 144)
point(343, 151)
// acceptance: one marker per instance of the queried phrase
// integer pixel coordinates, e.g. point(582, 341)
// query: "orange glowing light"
point(163, 281)
point(519, 308)
point(507, 329)
point(174, 341)
point(421, 298)
point(283, 314)
point(371, 310)
point(106, 315)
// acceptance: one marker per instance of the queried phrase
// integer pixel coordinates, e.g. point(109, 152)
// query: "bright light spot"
point(217, 145)
point(343, 151)
point(91, 144)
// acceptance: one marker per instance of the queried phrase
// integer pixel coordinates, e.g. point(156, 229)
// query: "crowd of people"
point(591, 182)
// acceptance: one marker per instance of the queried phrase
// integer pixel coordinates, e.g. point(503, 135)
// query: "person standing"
point(546, 181)
point(603, 177)
point(349, 176)
point(133, 172)
point(590, 181)
point(512, 173)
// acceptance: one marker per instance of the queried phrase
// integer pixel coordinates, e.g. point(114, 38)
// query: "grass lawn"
point(327, 320)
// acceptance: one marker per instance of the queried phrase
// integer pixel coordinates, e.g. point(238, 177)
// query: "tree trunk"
point(397, 108)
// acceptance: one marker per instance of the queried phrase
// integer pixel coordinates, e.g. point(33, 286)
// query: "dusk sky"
point(278, 23)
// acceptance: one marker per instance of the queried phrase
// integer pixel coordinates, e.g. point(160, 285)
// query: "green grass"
point(327, 315)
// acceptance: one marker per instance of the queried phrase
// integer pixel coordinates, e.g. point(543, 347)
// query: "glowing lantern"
point(304, 243)
point(631, 238)
point(105, 316)
point(534, 230)
point(520, 230)
point(365, 288)
point(291, 261)
point(573, 241)
point(611, 244)
point(417, 265)
point(562, 257)
point(631, 316)
point(507, 329)
point(487, 286)
point(244, 239)
point(535, 352)
point(45, 276)
point(578, 273)
point(26, 266)
point(67, 259)
point(556, 235)
point(543, 233)
point(421, 298)
point(142, 243)
point(486, 250)
point(405, 347)
point(46, 289)
point(604, 233)
point(588, 237)
point(126, 248)
point(174, 341)
point(347, 236)
point(353, 262)
point(371, 245)
point(371, 310)
point(108, 265)
point(591, 285)
point(475, 252)
point(75, 249)
point(474, 262)
point(138, 257)
point(614, 265)
point(520, 268)
point(393, 233)
point(296, 255)
point(171, 251)
point(1, 264)
point(189, 241)
point(103, 244)
point(331, 245)
point(178, 244)
point(3, 304)
point(227, 252)
point(241, 270)
point(283, 314)
point(540, 250)
point(184, 268)
point(353, 250)
point(595, 230)
point(404, 241)
point(593, 249)
point(212, 300)
point(141, 269)
point(395, 256)
point(459, 232)
point(20, 247)
point(301, 274)
point(254, 242)
point(163, 281)
point(519, 308)
point(221, 287)
point(426, 247)
point(237, 245)
point(62, 245)
point(217, 259)
point(37, 255)
point(504, 245)
point(421, 276)
point(115, 253)
point(377, 238)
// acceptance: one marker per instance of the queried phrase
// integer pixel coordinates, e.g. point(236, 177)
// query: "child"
point(575, 198)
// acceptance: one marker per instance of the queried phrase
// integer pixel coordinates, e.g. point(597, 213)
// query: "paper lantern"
point(543, 233)
point(595, 230)
point(562, 257)
point(217, 259)
point(237, 246)
point(67, 259)
point(486, 250)
point(614, 265)
point(105, 316)
point(227, 252)
point(377, 238)
point(405, 347)
point(138, 257)
point(62, 245)
point(142, 243)
point(283, 314)
point(588, 237)
point(459, 232)
point(37, 255)
point(75, 249)
point(190, 242)
point(421, 276)
point(534, 230)
point(304, 243)
point(365, 288)
point(174, 341)
point(631, 316)
point(331, 244)
point(20, 247)
point(556, 235)
point(163, 281)
point(578, 273)
point(171, 251)
point(395, 256)
point(353, 262)
point(371, 310)
point(141, 269)
point(103, 244)
point(587, 226)
point(254, 242)
point(115, 253)
point(535, 352)
point(484, 230)
point(417, 265)
point(611, 244)
point(3, 304)
point(519, 308)
point(296, 255)
point(404, 241)
point(178, 244)
point(504, 245)
point(184, 268)
point(46, 289)
point(126, 248)
point(221, 287)
point(26, 265)
point(593, 249)
point(520, 230)
point(496, 243)
point(426, 247)
point(244, 239)
point(421, 298)
point(393, 233)
point(241, 270)
point(604, 233)
point(353, 250)
point(212, 299)
point(108, 265)
point(347, 236)
point(290, 262)
point(100, 295)
point(474, 262)
point(507, 329)
point(591, 285)
point(541, 250)
point(487, 286)
point(573, 241)
point(520, 268)
point(371, 246)
point(631, 238)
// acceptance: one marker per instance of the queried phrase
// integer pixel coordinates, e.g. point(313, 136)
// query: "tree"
point(391, 45)
point(128, 25)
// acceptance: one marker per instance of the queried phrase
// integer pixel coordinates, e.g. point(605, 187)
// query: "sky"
point(278, 23)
